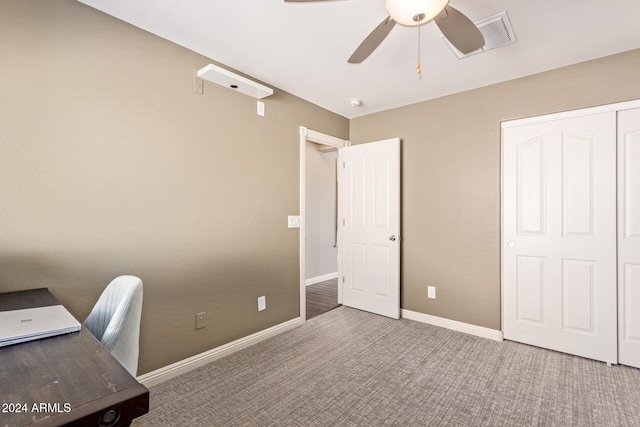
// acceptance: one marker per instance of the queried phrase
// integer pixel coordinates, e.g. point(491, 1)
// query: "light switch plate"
point(198, 86)
point(293, 221)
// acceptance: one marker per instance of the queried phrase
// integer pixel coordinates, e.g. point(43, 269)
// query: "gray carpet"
point(348, 368)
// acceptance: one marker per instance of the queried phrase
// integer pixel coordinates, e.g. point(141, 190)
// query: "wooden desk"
point(64, 380)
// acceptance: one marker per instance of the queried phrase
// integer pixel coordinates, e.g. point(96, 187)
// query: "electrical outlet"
point(431, 292)
point(200, 320)
point(262, 303)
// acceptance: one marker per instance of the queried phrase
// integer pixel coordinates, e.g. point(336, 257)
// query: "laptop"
point(28, 324)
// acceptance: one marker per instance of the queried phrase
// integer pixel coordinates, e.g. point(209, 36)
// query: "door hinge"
point(344, 222)
point(344, 165)
point(342, 279)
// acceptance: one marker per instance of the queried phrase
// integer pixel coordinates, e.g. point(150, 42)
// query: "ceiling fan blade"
point(459, 30)
point(372, 41)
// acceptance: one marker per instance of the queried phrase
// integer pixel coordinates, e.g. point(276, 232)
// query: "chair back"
point(115, 320)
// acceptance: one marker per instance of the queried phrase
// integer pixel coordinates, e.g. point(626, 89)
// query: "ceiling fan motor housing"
point(414, 12)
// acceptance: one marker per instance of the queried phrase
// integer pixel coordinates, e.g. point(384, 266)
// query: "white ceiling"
point(302, 48)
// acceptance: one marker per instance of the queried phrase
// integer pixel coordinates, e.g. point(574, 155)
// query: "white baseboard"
point(467, 328)
point(318, 279)
point(163, 374)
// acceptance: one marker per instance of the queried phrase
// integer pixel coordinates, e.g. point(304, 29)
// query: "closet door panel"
point(559, 235)
point(629, 237)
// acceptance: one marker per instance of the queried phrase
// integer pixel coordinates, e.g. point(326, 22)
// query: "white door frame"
point(308, 135)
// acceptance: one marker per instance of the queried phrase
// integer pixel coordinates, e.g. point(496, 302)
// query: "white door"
point(559, 235)
point(369, 211)
point(629, 237)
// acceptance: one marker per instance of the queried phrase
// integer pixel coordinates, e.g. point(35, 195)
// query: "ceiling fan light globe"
point(404, 11)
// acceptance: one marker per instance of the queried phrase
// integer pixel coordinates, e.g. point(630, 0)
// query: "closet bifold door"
point(629, 237)
point(559, 235)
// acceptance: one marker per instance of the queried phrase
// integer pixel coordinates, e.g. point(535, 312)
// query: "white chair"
point(115, 320)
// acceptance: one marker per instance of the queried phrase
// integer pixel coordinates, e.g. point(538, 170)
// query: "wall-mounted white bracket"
point(229, 79)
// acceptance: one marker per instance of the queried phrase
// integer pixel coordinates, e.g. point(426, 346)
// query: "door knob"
point(511, 244)
point(392, 238)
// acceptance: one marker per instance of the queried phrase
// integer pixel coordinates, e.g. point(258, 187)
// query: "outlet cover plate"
point(431, 292)
point(200, 318)
point(262, 303)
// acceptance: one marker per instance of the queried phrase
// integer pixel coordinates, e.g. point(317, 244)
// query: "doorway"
point(368, 235)
point(321, 229)
point(318, 226)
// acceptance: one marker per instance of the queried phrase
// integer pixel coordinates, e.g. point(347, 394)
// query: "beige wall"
point(451, 178)
point(110, 164)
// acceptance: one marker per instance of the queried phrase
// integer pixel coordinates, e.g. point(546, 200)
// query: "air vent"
point(496, 30)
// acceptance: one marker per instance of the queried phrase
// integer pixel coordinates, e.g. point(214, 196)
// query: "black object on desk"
point(68, 379)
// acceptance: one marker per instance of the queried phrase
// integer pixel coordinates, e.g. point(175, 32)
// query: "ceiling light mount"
point(355, 102)
point(414, 12)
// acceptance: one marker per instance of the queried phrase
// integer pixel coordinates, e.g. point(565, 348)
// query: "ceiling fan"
point(456, 27)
